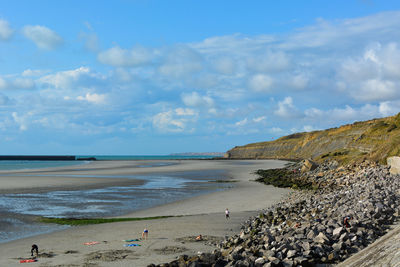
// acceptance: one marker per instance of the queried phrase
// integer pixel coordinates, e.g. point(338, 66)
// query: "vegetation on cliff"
point(373, 140)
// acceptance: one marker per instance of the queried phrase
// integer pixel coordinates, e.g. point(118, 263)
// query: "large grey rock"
point(321, 238)
point(337, 231)
point(274, 260)
point(287, 263)
point(306, 246)
point(312, 234)
point(337, 246)
point(259, 262)
point(291, 253)
point(268, 253)
point(394, 164)
point(308, 165)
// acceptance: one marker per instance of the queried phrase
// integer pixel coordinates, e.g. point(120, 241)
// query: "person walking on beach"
point(227, 213)
point(145, 234)
point(35, 249)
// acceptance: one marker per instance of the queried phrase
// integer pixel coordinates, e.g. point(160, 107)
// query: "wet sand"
point(168, 238)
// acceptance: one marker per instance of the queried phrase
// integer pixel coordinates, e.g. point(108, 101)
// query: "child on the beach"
point(227, 213)
point(145, 233)
point(35, 249)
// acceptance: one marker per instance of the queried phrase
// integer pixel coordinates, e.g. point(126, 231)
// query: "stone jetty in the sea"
point(352, 207)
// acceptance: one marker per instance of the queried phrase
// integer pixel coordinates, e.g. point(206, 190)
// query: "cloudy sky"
point(142, 77)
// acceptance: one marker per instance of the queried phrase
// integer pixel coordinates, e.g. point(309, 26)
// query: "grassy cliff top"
point(375, 140)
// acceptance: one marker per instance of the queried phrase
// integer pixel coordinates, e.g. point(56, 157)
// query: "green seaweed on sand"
point(223, 181)
point(282, 177)
point(87, 221)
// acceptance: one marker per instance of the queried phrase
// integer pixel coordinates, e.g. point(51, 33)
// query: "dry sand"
point(168, 238)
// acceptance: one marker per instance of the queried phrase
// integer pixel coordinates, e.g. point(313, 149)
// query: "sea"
point(38, 164)
point(19, 211)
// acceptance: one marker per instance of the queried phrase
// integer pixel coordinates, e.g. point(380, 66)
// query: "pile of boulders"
point(353, 206)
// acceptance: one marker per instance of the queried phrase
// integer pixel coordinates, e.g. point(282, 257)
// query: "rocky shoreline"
point(350, 208)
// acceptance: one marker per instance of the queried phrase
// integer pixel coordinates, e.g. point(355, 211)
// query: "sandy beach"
point(168, 238)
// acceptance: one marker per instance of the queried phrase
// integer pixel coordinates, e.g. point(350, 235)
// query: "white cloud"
point(373, 76)
point(276, 130)
point(236, 42)
point(286, 109)
point(91, 41)
point(353, 70)
point(3, 84)
point(23, 83)
point(66, 79)
point(314, 113)
point(391, 60)
point(196, 100)
point(225, 65)
point(5, 30)
point(259, 119)
point(29, 72)
point(4, 100)
point(42, 36)
point(349, 114)
point(341, 33)
point(269, 62)
point(185, 112)
point(21, 121)
point(118, 57)
point(180, 62)
point(123, 75)
point(241, 123)
point(260, 83)
point(372, 90)
point(299, 81)
point(17, 83)
point(174, 121)
point(309, 128)
point(93, 98)
point(389, 108)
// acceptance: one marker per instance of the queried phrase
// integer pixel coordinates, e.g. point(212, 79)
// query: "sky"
point(144, 77)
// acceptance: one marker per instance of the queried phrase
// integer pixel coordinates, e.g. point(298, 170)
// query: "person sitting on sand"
point(35, 249)
point(199, 238)
point(145, 234)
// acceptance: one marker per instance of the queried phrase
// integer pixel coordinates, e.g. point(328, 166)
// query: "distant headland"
point(215, 154)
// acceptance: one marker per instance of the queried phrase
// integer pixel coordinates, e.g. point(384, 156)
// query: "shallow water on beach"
point(17, 210)
point(37, 164)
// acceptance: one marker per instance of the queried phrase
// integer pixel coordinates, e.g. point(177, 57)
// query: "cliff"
point(375, 140)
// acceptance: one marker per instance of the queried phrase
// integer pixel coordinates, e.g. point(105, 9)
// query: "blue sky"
point(158, 77)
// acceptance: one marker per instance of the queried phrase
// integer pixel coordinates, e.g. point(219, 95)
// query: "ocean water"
point(145, 157)
point(19, 210)
point(36, 164)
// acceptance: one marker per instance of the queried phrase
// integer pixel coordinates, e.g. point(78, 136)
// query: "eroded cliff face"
point(374, 140)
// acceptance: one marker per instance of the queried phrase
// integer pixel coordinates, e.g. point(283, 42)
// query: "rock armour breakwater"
point(36, 157)
point(354, 206)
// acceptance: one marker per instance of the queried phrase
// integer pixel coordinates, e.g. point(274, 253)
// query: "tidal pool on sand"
point(18, 209)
